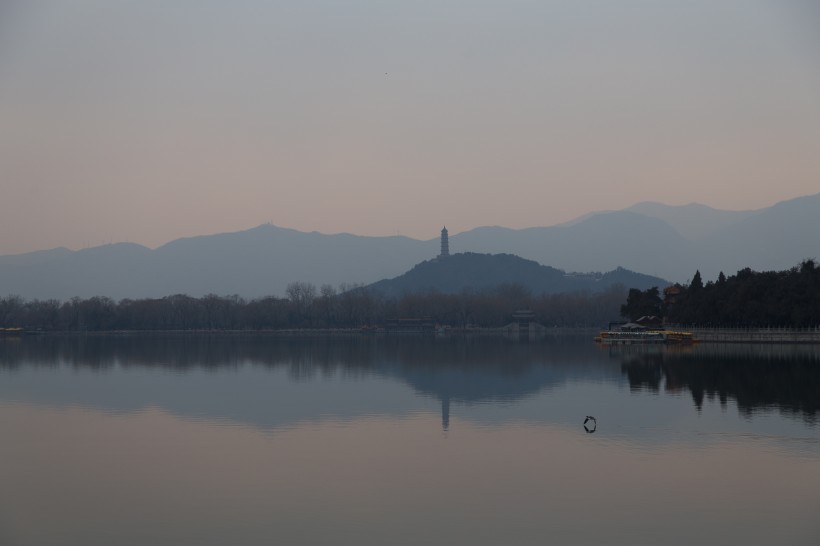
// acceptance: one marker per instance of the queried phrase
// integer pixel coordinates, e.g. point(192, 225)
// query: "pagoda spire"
point(445, 243)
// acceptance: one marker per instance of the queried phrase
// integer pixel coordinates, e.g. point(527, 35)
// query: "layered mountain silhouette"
point(669, 242)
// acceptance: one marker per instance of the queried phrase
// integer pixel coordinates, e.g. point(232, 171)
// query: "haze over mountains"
point(665, 241)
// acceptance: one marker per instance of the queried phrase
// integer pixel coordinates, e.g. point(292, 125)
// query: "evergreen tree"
point(697, 282)
point(639, 304)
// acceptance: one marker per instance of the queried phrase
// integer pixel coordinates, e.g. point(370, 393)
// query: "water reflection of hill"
point(467, 370)
point(303, 356)
point(290, 379)
point(783, 377)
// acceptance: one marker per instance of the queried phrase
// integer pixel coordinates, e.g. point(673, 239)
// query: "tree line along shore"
point(305, 307)
point(749, 299)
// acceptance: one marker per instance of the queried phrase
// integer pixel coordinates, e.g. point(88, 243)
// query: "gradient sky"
point(149, 120)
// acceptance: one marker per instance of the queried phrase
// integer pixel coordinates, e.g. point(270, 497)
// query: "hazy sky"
point(145, 121)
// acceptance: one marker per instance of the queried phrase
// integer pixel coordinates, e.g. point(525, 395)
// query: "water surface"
point(405, 440)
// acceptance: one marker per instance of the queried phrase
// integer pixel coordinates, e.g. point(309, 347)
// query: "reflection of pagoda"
point(445, 243)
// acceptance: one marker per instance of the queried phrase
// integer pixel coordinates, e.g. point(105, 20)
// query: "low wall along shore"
point(755, 335)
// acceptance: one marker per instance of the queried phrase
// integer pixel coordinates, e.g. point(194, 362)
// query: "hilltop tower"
point(445, 243)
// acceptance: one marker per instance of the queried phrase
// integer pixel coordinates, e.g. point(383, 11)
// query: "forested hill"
point(472, 271)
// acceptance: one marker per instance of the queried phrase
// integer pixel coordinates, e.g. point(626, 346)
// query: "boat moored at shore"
point(630, 337)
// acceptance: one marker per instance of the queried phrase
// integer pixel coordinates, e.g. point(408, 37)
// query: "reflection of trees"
point(299, 352)
point(303, 355)
point(756, 377)
point(644, 373)
point(461, 369)
point(457, 369)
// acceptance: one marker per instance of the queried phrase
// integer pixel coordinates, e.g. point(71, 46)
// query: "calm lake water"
point(405, 440)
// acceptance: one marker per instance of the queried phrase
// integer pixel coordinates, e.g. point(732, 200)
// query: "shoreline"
point(791, 336)
point(801, 336)
point(501, 331)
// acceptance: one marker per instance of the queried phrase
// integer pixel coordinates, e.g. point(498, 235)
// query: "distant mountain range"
point(667, 241)
point(660, 240)
point(471, 271)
